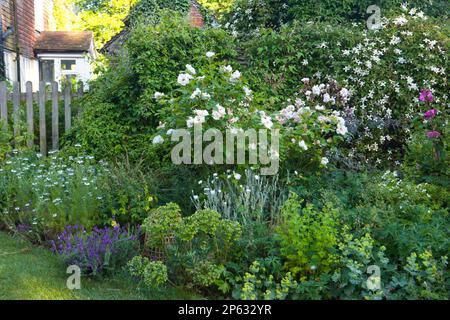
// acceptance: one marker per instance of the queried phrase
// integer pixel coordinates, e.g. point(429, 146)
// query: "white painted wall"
point(10, 65)
point(29, 69)
point(83, 69)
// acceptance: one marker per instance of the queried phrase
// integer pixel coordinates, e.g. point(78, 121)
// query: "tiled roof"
point(64, 41)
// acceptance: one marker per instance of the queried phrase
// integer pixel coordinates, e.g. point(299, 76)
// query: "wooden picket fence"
point(40, 97)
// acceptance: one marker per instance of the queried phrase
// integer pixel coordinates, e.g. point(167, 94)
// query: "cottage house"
point(34, 51)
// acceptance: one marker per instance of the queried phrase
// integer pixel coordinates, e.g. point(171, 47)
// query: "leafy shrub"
point(248, 16)
point(403, 216)
point(426, 160)
point(199, 246)
point(279, 60)
point(161, 222)
point(149, 11)
point(96, 251)
point(152, 273)
point(217, 98)
point(382, 104)
point(120, 112)
point(307, 237)
point(130, 192)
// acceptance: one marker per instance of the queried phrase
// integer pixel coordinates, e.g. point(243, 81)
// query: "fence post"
point(55, 116)
point(42, 125)
point(29, 103)
point(67, 106)
point(16, 108)
point(4, 104)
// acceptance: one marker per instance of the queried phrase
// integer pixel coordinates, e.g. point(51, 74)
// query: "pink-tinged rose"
point(433, 134)
point(426, 96)
point(430, 114)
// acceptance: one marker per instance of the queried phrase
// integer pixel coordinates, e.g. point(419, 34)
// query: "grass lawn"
point(28, 272)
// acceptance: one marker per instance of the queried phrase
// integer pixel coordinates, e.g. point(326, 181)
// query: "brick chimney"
point(195, 16)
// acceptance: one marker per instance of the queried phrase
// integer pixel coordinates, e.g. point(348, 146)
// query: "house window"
point(68, 65)
point(47, 70)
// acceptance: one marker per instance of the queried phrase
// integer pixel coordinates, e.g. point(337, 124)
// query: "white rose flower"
point(184, 78)
point(342, 130)
point(210, 54)
point(196, 93)
point(228, 69)
point(158, 95)
point(235, 76)
point(219, 113)
point(158, 140)
point(320, 108)
point(302, 144)
point(237, 176)
point(206, 96)
point(324, 161)
point(247, 91)
point(191, 69)
point(266, 121)
point(201, 113)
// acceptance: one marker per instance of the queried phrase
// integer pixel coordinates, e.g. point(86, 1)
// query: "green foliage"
point(152, 273)
point(120, 112)
point(426, 277)
point(66, 18)
point(247, 16)
point(260, 284)
point(307, 237)
point(40, 196)
point(160, 223)
point(217, 6)
point(44, 195)
point(356, 10)
point(278, 61)
point(150, 11)
point(356, 256)
point(427, 160)
point(103, 18)
point(5, 138)
point(201, 243)
point(403, 216)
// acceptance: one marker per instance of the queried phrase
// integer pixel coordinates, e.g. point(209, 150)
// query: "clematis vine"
point(426, 96)
point(430, 114)
point(433, 134)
